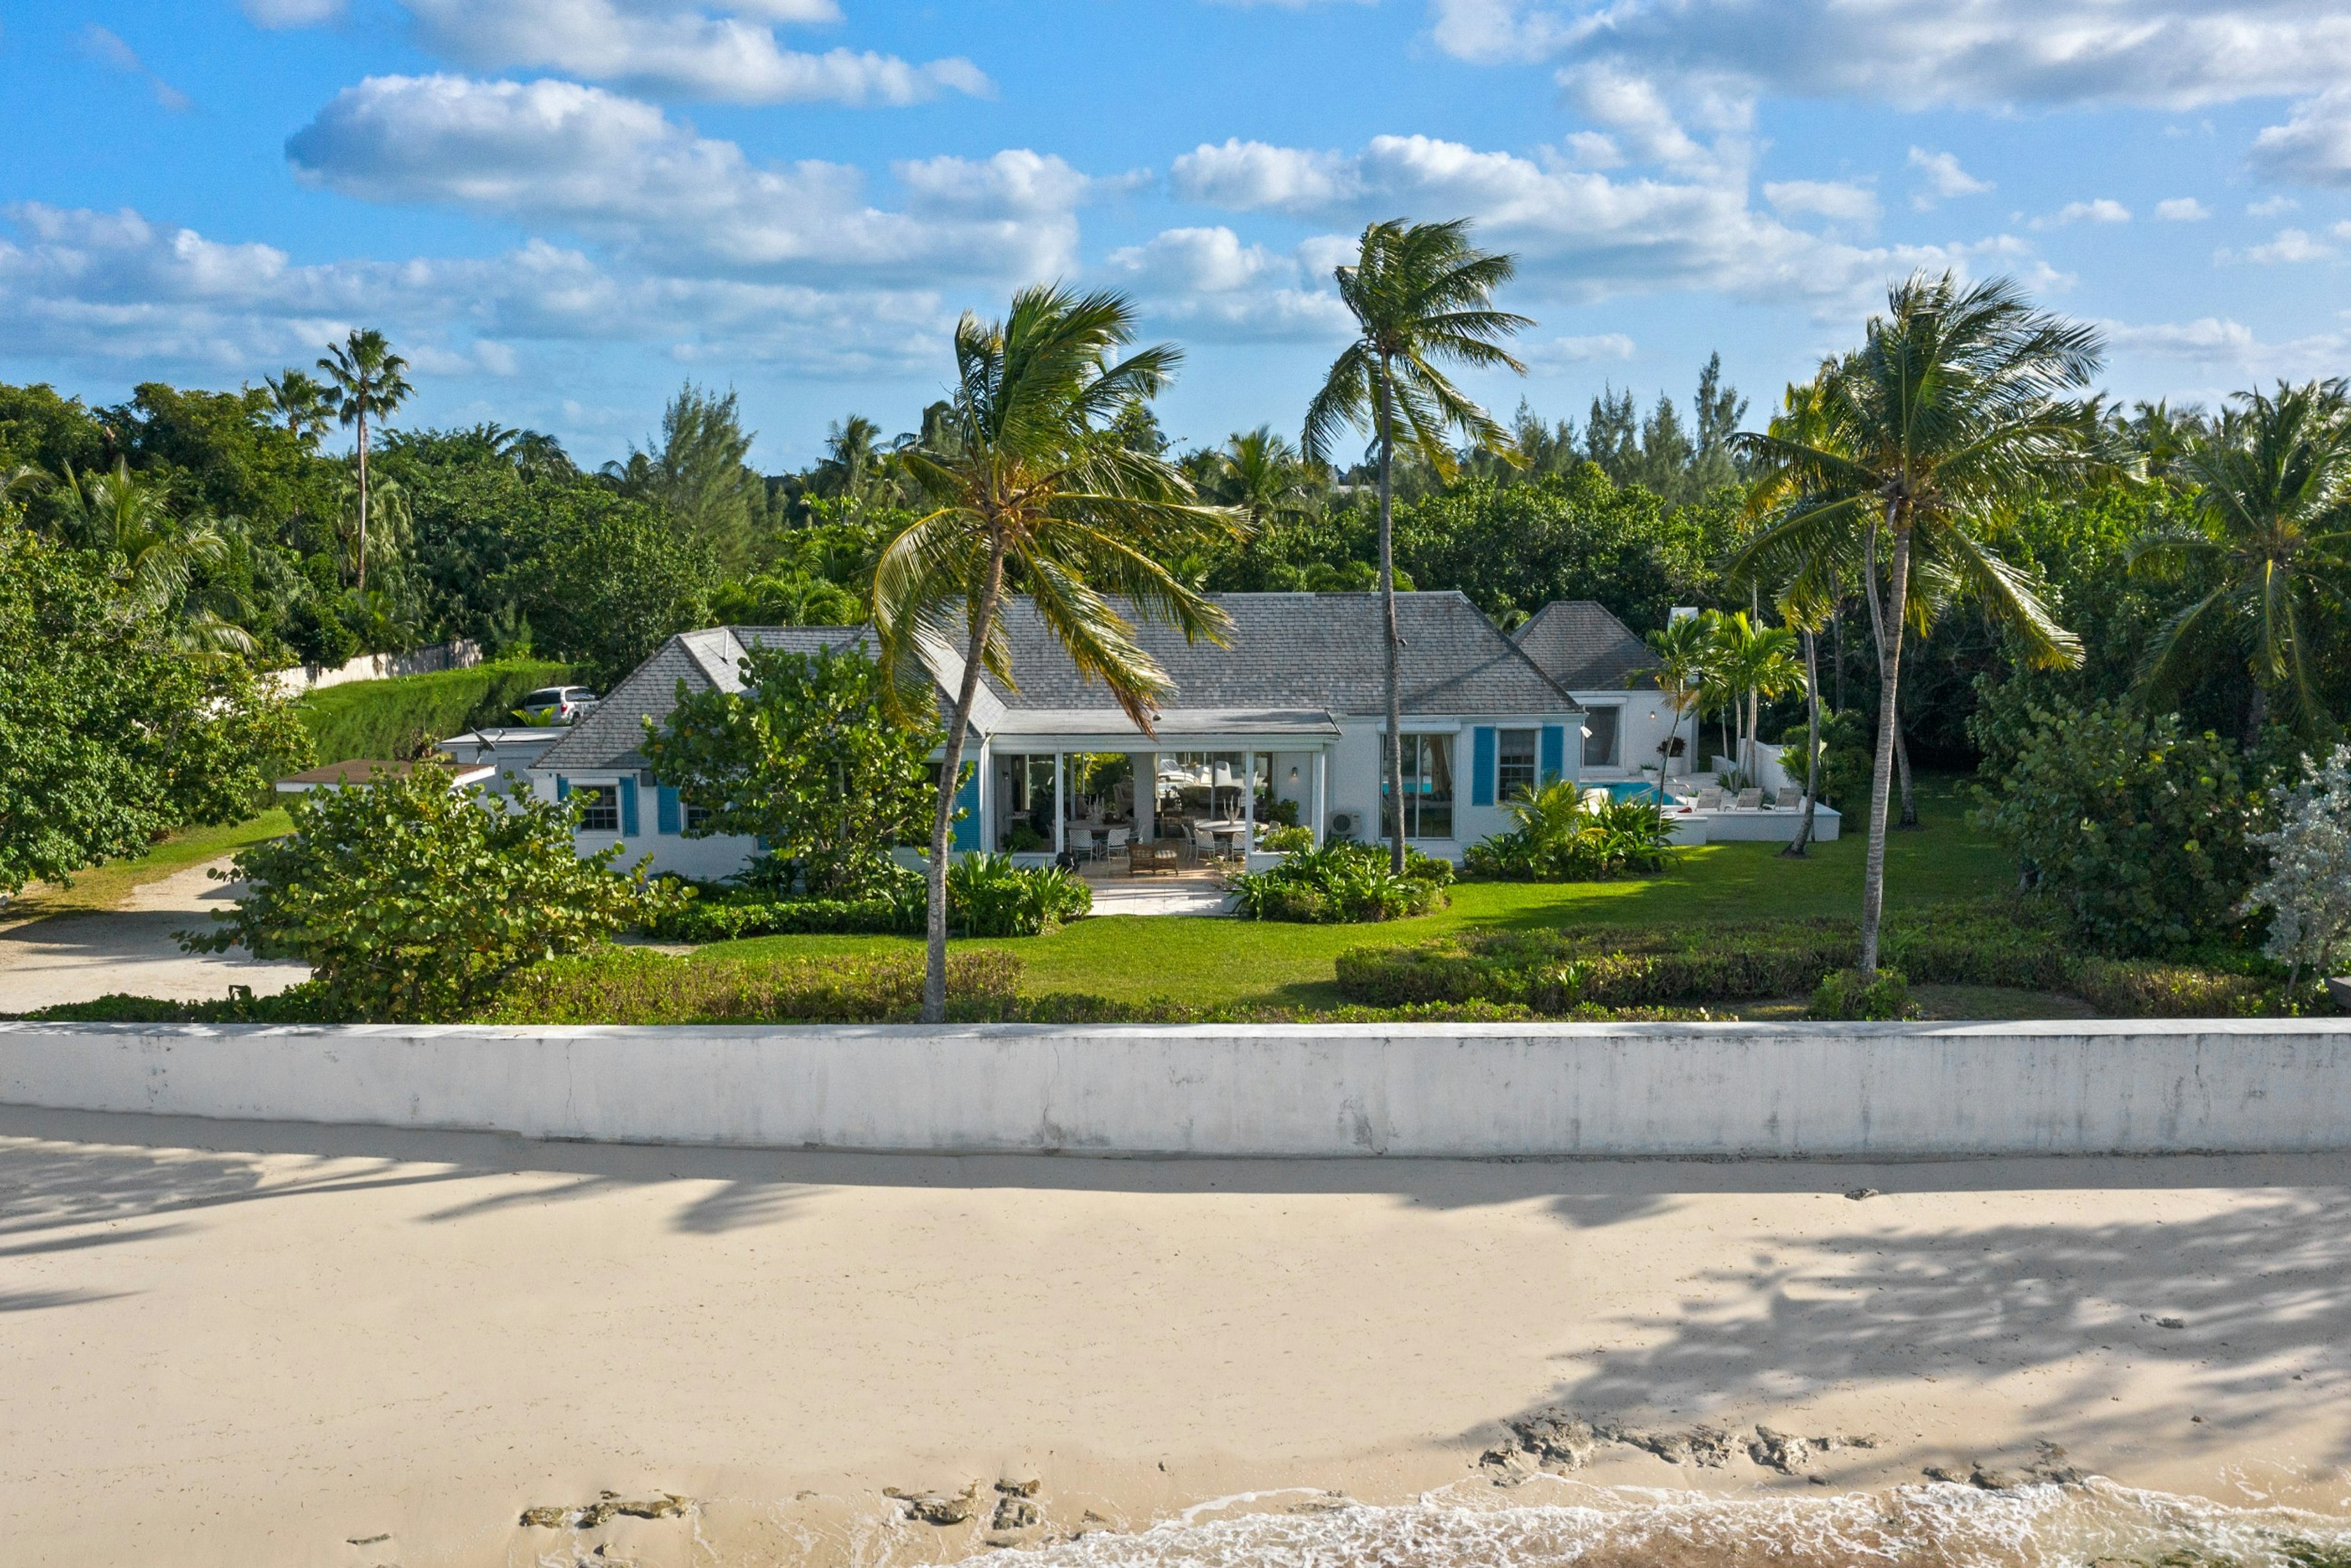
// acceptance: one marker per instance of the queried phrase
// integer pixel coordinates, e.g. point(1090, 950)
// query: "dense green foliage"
point(1554, 836)
point(1342, 884)
point(812, 758)
point(414, 900)
point(400, 718)
point(1850, 996)
point(2135, 831)
point(988, 895)
point(111, 733)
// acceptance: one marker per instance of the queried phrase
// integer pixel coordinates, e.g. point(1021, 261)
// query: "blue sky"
point(560, 209)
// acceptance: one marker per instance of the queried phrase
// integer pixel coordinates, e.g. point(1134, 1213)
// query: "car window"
point(547, 698)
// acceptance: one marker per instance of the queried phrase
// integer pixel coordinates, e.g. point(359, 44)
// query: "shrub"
point(402, 717)
point(633, 986)
point(1555, 837)
point(2134, 832)
point(2141, 989)
point(2308, 889)
point(1845, 995)
point(1847, 759)
point(1287, 840)
point(988, 895)
point(1342, 884)
point(727, 922)
point(411, 901)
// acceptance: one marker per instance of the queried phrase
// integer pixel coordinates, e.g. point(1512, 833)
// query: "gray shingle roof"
point(1582, 647)
point(705, 661)
point(1306, 650)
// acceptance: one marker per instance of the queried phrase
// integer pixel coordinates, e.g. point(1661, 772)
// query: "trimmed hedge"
point(400, 719)
point(1557, 972)
point(633, 985)
point(717, 921)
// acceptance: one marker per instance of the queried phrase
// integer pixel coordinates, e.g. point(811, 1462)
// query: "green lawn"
point(108, 885)
point(1214, 962)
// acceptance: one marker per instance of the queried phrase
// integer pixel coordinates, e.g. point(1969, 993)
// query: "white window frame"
point(612, 788)
point(1617, 766)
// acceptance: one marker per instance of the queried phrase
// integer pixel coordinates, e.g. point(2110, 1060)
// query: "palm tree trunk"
point(934, 962)
point(1811, 744)
point(363, 500)
point(1394, 638)
point(1881, 775)
point(1909, 818)
point(1837, 632)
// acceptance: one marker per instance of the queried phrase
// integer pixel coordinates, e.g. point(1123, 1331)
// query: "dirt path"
point(132, 950)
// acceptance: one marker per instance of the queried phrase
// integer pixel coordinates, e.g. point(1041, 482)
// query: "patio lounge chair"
point(1710, 800)
point(1082, 842)
point(1791, 799)
point(1750, 801)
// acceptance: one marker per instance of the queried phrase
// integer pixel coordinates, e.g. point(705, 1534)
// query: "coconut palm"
point(304, 403)
point(1421, 296)
point(1259, 476)
point(1952, 411)
point(1030, 492)
point(366, 378)
point(129, 515)
point(2272, 496)
point(853, 458)
point(1680, 663)
point(1751, 663)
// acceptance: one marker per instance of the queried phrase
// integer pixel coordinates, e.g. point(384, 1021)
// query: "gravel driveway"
point(78, 957)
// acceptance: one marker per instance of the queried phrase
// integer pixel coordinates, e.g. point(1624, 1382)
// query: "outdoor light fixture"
point(1293, 775)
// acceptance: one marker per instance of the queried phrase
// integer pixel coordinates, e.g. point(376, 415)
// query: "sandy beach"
point(230, 1344)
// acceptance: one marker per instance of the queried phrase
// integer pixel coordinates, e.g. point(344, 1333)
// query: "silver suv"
point(557, 704)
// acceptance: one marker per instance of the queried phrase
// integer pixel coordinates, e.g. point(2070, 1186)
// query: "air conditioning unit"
point(1347, 824)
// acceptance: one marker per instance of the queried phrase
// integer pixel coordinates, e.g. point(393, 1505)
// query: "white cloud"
point(1577, 233)
point(2224, 344)
point(1209, 281)
point(2315, 146)
point(1840, 202)
point(290, 13)
point(2172, 54)
point(2288, 245)
point(1560, 352)
point(1944, 178)
point(113, 288)
point(2274, 206)
point(2182, 210)
point(618, 170)
point(2103, 210)
point(674, 47)
point(107, 48)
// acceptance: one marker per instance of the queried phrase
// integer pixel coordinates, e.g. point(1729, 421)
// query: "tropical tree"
point(129, 515)
point(1952, 412)
point(1751, 662)
point(1259, 476)
point(852, 460)
point(303, 402)
point(697, 474)
point(1681, 664)
point(1421, 296)
point(367, 379)
point(1031, 491)
point(2273, 499)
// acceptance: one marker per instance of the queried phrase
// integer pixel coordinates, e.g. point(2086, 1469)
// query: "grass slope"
point(1214, 962)
point(107, 886)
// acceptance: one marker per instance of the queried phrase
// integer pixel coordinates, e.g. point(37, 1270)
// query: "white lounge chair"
point(1710, 800)
point(1595, 799)
point(1750, 801)
point(1791, 799)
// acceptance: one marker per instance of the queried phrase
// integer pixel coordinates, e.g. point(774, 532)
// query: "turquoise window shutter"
point(629, 808)
point(1554, 753)
point(667, 816)
point(966, 828)
point(562, 787)
point(1481, 766)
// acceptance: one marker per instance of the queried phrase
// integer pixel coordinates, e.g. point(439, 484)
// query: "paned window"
point(1601, 726)
point(1514, 763)
point(600, 807)
point(1427, 786)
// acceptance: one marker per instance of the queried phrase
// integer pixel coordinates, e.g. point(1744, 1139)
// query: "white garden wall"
point(1476, 1090)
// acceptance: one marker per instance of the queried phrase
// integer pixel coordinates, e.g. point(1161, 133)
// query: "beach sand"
point(229, 1344)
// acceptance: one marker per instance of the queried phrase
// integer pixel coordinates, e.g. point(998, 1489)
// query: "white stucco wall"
point(1476, 1090)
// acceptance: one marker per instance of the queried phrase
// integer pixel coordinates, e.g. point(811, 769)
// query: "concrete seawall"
point(1438, 1090)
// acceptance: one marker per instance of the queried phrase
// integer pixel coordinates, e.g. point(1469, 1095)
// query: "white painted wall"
point(460, 654)
point(1476, 1090)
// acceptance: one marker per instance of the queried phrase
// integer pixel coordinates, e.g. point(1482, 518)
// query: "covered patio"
point(1184, 804)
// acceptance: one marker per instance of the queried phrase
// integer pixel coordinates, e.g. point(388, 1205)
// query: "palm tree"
point(305, 403)
point(1682, 667)
point(1259, 476)
point(1031, 493)
point(129, 515)
point(367, 378)
point(1419, 292)
point(1951, 413)
point(2274, 502)
point(1752, 663)
point(852, 457)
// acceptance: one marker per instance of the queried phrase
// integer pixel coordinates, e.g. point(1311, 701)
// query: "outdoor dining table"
point(1224, 829)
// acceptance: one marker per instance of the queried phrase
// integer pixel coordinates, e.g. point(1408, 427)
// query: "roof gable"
point(1578, 644)
point(707, 660)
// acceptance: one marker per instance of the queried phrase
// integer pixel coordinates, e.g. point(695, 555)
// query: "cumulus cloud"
point(1562, 352)
point(114, 289)
point(2271, 207)
point(727, 52)
point(1578, 233)
point(618, 170)
point(2103, 210)
point(1942, 179)
point(1214, 286)
point(2315, 146)
point(1839, 202)
point(2225, 344)
point(290, 13)
point(2175, 54)
point(2287, 247)
point(2182, 210)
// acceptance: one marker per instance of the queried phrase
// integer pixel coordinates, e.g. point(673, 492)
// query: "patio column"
point(1249, 805)
point(1145, 765)
point(1321, 784)
point(1061, 810)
